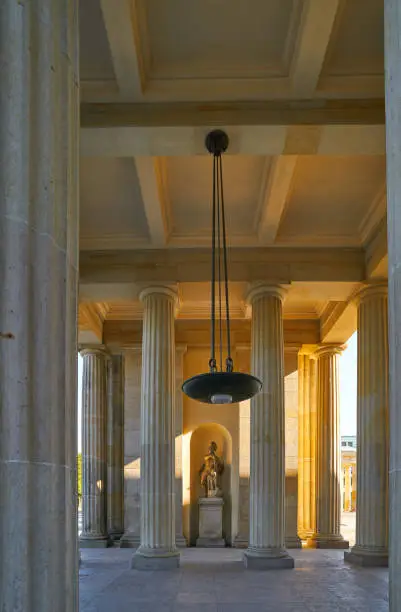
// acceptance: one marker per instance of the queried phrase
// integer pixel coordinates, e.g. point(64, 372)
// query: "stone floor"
point(215, 581)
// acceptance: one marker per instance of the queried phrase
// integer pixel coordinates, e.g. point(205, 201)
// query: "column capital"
point(309, 350)
point(93, 349)
point(371, 291)
point(181, 349)
point(167, 290)
point(257, 290)
point(328, 349)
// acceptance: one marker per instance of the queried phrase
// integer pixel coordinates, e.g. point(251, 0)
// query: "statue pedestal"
point(210, 523)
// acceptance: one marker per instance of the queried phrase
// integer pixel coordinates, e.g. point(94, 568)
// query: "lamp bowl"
point(231, 387)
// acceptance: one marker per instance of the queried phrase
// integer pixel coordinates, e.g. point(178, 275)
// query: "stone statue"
point(210, 471)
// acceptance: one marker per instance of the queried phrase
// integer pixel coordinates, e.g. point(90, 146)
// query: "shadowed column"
point(39, 195)
point(94, 449)
point(158, 549)
point(392, 28)
point(267, 475)
point(115, 447)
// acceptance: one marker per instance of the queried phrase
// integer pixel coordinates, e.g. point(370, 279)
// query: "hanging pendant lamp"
point(221, 385)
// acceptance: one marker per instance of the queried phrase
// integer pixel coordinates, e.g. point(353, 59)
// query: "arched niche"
point(199, 444)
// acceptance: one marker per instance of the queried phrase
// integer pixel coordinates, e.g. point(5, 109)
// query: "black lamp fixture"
point(221, 385)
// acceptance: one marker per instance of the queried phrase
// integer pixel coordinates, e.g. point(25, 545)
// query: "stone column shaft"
point(39, 127)
point(392, 23)
point(157, 549)
point(328, 453)
point(307, 366)
point(179, 405)
point(371, 545)
point(94, 450)
point(243, 363)
point(267, 477)
point(115, 447)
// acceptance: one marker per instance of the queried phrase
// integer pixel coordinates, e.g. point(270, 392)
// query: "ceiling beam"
point(190, 114)
point(274, 197)
point(119, 25)
point(317, 23)
point(244, 140)
point(338, 321)
point(347, 127)
point(283, 265)
point(197, 333)
point(91, 317)
point(377, 253)
point(150, 177)
point(374, 216)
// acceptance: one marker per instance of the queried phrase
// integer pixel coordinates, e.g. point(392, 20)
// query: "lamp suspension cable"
point(212, 362)
point(219, 261)
point(229, 361)
point(221, 385)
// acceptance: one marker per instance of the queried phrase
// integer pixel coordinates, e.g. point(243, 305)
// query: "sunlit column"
point(179, 406)
point(307, 423)
point(243, 364)
point(328, 451)
point(371, 544)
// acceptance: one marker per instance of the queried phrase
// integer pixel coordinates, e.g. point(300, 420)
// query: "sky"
point(79, 402)
point(348, 386)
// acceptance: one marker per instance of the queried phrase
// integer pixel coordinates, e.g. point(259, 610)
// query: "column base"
point(267, 560)
point(366, 558)
point(240, 542)
point(150, 560)
point(210, 543)
point(327, 542)
point(130, 540)
point(85, 542)
point(115, 536)
point(293, 542)
point(304, 536)
point(180, 541)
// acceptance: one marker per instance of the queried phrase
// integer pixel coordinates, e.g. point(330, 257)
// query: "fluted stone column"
point(179, 406)
point(38, 321)
point(94, 449)
point(392, 22)
point(307, 394)
point(158, 549)
point(328, 451)
point(371, 544)
point(267, 476)
point(243, 364)
point(291, 539)
point(115, 447)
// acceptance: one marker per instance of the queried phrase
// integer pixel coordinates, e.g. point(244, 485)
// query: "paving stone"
point(216, 581)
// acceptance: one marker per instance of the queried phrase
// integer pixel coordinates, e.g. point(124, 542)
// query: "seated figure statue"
point(210, 471)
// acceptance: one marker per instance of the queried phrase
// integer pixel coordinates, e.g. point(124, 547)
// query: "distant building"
point(348, 471)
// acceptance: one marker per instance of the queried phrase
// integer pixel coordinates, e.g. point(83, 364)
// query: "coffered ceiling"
point(173, 50)
point(297, 85)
